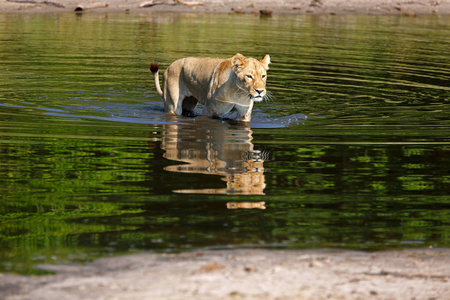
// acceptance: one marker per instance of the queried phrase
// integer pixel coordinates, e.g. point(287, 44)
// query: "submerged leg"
point(189, 105)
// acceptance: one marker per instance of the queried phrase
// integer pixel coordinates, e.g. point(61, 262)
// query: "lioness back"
point(195, 75)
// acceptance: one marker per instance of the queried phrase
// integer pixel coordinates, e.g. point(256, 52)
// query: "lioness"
point(221, 85)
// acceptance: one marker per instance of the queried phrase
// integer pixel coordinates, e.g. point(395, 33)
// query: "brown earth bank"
point(244, 274)
point(264, 7)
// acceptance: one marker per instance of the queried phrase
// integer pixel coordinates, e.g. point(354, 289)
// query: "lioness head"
point(252, 75)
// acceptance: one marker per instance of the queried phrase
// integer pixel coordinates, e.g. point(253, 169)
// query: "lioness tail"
point(154, 69)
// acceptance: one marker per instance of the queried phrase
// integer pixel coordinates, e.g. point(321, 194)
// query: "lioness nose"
point(259, 91)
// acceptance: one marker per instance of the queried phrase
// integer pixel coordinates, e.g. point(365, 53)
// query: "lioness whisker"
point(244, 93)
point(268, 97)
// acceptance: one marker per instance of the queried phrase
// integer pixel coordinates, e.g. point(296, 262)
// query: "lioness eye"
point(249, 76)
point(263, 76)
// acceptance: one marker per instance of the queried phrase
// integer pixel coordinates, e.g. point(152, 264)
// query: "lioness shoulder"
point(223, 86)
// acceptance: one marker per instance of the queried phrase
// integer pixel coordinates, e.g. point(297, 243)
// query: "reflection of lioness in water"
point(214, 148)
point(221, 85)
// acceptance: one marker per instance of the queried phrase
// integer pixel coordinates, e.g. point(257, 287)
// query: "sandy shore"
point(244, 274)
point(405, 7)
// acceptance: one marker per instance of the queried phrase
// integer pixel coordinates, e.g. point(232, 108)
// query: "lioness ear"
point(238, 61)
point(266, 61)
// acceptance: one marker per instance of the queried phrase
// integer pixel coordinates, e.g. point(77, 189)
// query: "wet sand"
point(398, 7)
point(244, 274)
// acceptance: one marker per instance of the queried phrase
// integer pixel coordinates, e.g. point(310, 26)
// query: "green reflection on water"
point(90, 166)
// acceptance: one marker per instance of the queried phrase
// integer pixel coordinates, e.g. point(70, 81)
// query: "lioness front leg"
point(216, 108)
point(244, 112)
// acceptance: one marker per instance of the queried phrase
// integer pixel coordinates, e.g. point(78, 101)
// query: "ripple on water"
point(351, 151)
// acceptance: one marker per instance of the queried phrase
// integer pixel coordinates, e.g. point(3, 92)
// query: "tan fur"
point(223, 86)
point(247, 205)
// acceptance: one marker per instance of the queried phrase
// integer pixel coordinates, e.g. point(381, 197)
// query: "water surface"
point(351, 152)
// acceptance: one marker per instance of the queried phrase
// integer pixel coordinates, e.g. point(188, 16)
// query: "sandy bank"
point(245, 274)
point(405, 7)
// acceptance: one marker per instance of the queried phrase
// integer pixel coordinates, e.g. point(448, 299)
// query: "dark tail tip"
point(154, 67)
